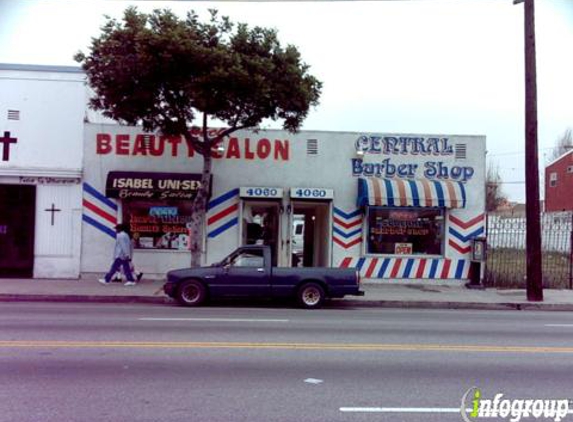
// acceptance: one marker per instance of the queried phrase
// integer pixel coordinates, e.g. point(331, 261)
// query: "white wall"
point(51, 103)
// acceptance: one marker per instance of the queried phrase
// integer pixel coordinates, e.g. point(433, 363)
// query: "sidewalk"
point(376, 295)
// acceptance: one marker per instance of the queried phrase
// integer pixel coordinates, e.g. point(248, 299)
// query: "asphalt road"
point(96, 362)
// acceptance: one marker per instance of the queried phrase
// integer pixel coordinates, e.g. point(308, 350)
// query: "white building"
point(396, 206)
point(41, 131)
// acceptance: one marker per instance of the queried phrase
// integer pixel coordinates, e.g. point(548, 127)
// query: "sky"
point(441, 67)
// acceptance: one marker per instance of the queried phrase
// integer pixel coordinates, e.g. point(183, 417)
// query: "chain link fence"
point(506, 259)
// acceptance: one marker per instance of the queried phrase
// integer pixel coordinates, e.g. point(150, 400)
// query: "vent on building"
point(13, 114)
point(312, 146)
point(570, 169)
point(461, 151)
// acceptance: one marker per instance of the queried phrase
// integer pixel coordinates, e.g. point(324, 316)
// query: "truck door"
point(244, 274)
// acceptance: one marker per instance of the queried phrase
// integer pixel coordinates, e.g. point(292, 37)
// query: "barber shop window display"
point(158, 224)
point(405, 231)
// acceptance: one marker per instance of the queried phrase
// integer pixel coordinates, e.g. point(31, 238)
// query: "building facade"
point(41, 135)
point(395, 206)
point(559, 183)
point(398, 207)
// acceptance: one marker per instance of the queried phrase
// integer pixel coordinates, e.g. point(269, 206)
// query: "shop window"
point(404, 231)
point(158, 224)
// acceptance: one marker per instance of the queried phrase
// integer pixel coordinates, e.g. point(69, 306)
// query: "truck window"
point(248, 259)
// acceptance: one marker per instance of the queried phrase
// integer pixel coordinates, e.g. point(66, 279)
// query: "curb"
point(339, 303)
point(85, 299)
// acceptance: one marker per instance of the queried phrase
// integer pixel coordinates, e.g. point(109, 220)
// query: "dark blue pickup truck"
point(247, 272)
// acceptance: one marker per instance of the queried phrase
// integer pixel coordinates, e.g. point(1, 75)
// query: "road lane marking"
point(408, 410)
point(313, 381)
point(285, 346)
point(559, 325)
point(401, 409)
point(215, 319)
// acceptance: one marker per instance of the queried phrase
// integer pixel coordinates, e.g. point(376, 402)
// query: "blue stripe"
point(99, 226)
point(385, 264)
point(467, 237)
point(222, 198)
point(360, 263)
point(346, 235)
point(415, 193)
point(362, 197)
point(89, 189)
point(408, 269)
point(389, 193)
point(440, 192)
point(338, 211)
point(460, 268)
point(224, 227)
point(463, 189)
point(433, 268)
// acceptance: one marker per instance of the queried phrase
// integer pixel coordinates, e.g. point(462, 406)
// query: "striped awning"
point(411, 193)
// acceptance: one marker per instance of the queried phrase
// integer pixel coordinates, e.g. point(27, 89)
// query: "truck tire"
point(310, 296)
point(191, 293)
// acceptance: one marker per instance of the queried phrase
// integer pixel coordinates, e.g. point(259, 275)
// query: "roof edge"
point(40, 68)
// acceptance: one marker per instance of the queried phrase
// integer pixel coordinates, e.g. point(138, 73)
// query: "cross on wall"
point(53, 210)
point(6, 140)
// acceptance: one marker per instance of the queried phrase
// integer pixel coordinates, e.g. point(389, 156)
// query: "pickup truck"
point(247, 272)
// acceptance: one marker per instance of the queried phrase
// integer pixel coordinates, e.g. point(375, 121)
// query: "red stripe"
point(466, 224)
point(371, 267)
point(100, 212)
point(216, 217)
point(346, 262)
point(446, 269)
point(347, 225)
point(421, 268)
point(339, 242)
point(346, 245)
point(458, 248)
point(354, 242)
point(396, 268)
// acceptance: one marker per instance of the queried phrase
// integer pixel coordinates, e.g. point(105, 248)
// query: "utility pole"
point(532, 211)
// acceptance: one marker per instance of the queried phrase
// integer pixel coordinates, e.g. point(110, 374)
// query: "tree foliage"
point(494, 195)
point(164, 73)
point(563, 144)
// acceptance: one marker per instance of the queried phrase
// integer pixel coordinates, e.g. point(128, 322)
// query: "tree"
point(164, 72)
point(494, 196)
point(563, 144)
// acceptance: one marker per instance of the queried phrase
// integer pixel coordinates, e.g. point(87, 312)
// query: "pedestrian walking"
point(119, 276)
point(121, 257)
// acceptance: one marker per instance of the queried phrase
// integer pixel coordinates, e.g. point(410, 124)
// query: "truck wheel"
point(311, 296)
point(191, 293)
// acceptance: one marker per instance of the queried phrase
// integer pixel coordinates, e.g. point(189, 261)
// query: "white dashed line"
point(214, 319)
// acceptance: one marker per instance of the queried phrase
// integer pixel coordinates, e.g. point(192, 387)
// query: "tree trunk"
point(199, 211)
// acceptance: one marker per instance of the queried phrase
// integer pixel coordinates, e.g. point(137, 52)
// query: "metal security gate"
point(506, 260)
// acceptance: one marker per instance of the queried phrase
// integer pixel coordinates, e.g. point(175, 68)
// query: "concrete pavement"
point(376, 295)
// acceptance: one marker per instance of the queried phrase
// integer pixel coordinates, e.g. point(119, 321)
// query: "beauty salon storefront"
point(397, 207)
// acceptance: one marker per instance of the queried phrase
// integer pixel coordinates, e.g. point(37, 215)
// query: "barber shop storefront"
point(397, 207)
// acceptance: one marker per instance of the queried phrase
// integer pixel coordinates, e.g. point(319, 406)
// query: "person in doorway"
point(121, 257)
